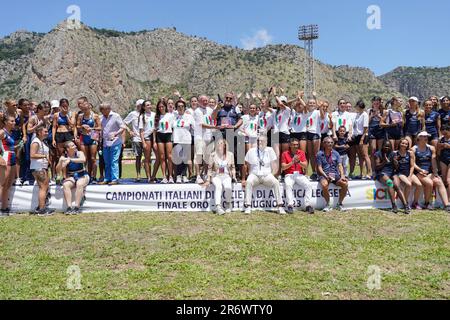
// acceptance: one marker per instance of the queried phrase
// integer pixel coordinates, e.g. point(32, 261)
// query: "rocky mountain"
point(421, 82)
point(118, 67)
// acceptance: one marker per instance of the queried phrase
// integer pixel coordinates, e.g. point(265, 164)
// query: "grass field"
point(203, 256)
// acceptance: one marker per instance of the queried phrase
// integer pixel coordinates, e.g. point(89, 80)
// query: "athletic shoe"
point(185, 179)
point(328, 208)
point(220, 211)
point(68, 211)
point(416, 206)
point(248, 210)
point(165, 181)
point(114, 183)
point(310, 210)
point(394, 209)
point(199, 180)
point(447, 208)
point(52, 183)
point(228, 211)
point(171, 180)
point(94, 182)
point(290, 210)
point(429, 207)
point(76, 211)
point(18, 182)
point(339, 207)
point(357, 177)
point(179, 179)
point(26, 183)
point(281, 211)
point(314, 177)
point(407, 210)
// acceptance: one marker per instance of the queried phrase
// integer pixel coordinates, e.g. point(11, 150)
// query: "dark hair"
point(142, 112)
point(360, 104)
point(63, 101)
point(83, 99)
point(22, 101)
point(41, 106)
point(182, 102)
point(341, 99)
point(445, 97)
point(342, 127)
point(376, 98)
point(294, 140)
point(158, 113)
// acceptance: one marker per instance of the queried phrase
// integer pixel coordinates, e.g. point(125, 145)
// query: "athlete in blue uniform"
point(8, 159)
point(444, 155)
point(432, 123)
point(414, 121)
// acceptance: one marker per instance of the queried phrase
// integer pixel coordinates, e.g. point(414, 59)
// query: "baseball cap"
point(54, 104)
point(139, 102)
point(283, 99)
point(424, 134)
point(414, 99)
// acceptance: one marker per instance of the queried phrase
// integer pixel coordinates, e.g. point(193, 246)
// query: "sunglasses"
point(228, 99)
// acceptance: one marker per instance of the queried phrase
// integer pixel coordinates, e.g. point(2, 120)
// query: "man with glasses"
point(227, 117)
point(341, 117)
point(294, 165)
point(331, 171)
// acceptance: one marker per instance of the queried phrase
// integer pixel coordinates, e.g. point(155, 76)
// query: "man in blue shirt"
point(227, 117)
point(330, 170)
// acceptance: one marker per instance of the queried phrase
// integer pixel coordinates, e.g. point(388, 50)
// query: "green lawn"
point(202, 256)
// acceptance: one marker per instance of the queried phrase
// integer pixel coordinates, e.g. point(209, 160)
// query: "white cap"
point(54, 104)
point(139, 102)
point(283, 99)
point(424, 134)
point(414, 99)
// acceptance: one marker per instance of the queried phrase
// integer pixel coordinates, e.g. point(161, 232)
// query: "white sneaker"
point(164, 181)
point(220, 211)
point(248, 210)
point(171, 180)
point(185, 180)
point(199, 180)
point(18, 182)
point(179, 179)
point(281, 211)
point(52, 183)
point(26, 183)
point(327, 209)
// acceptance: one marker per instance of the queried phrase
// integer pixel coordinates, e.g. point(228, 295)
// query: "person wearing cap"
point(263, 164)
point(294, 164)
point(414, 120)
point(385, 165)
point(331, 171)
point(427, 171)
point(132, 119)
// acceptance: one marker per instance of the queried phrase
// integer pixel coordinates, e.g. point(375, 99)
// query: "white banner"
point(193, 198)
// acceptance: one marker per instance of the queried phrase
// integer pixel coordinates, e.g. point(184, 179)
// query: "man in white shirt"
point(263, 164)
point(133, 119)
point(202, 134)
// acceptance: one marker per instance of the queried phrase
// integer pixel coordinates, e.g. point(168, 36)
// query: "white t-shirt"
point(203, 116)
point(149, 124)
point(165, 123)
point(249, 126)
point(342, 119)
point(361, 122)
point(132, 118)
point(255, 157)
point(182, 126)
point(325, 124)
point(313, 122)
point(265, 121)
point(40, 164)
point(282, 121)
point(298, 122)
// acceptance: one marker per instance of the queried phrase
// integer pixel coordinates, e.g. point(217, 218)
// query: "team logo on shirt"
point(209, 120)
point(342, 122)
point(263, 123)
point(310, 122)
point(180, 124)
point(297, 120)
point(164, 125)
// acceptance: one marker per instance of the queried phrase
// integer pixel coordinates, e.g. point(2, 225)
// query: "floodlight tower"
point(308, 34)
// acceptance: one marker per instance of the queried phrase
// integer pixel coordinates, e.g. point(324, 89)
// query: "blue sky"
point(413, 33)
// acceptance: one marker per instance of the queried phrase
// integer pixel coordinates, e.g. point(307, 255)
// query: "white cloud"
point(259, 39)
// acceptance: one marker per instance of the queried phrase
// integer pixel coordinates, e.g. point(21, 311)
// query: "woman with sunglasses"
point(90, 126)
point(386, 165)
point(183, 125)
point(72, 168)
point(146, 126)
point(9, 160)
point(404, 174)
point(221, 172)
point(427, 171)
point(164, 129)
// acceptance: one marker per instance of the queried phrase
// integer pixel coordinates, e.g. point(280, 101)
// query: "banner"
point(194, 198)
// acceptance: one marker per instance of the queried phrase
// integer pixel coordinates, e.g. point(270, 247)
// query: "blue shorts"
point(313, 136)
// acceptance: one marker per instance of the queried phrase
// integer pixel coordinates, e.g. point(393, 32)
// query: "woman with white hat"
point(427, 171)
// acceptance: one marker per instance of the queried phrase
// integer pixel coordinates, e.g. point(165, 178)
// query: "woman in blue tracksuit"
point(427, 171)
point(386, 165)
point(432, 123)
